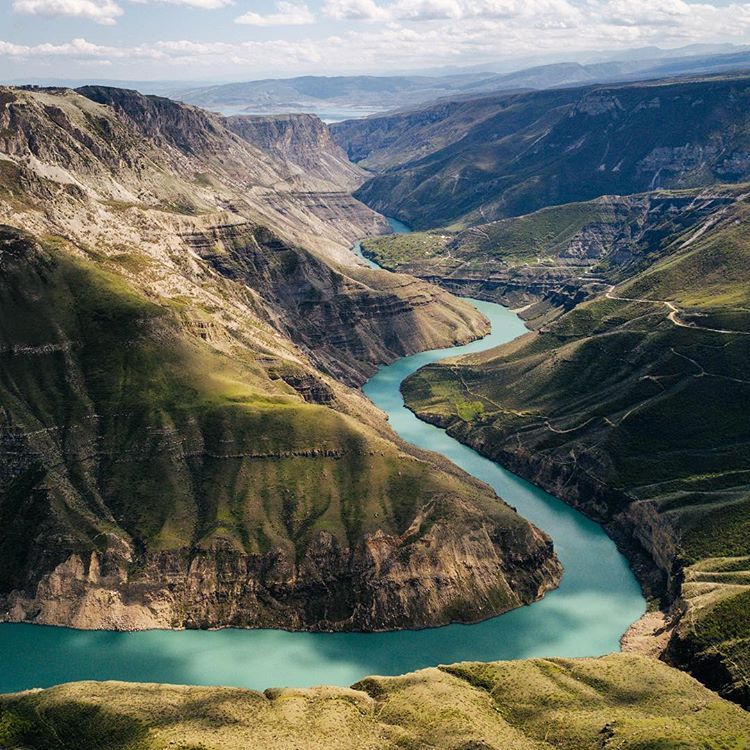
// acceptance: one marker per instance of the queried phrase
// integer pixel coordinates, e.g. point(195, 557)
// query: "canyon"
point(181, 438)
point(185, 333)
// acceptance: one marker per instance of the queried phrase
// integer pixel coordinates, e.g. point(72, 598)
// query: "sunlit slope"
point(163, 468)
point(615, 701)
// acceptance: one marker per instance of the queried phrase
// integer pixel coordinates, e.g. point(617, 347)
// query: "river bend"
point(597, 600)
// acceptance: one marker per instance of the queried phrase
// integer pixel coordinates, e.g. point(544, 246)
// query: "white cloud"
point(645, 12)
point(287, 14)
point(535, 13)
point(355, 10)
point(203, 4)
point(102, 11)
point(417, 34)
point(427, 10)
point(538, 12)
point(79, 49)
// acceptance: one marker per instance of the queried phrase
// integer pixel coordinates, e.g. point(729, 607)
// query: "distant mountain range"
point(337, 98)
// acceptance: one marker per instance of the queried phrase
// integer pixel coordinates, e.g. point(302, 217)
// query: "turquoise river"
point(597, 599)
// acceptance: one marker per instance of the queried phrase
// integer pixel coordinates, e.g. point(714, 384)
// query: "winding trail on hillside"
point(597, 600)
point(674, 313)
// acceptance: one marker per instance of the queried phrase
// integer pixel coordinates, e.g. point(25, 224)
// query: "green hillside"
point(547, 262)
point(633, 406)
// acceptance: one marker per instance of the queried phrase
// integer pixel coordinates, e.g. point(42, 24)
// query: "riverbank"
point(596, 602)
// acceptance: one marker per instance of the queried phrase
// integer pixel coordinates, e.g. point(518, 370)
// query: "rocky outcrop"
point(374, 586)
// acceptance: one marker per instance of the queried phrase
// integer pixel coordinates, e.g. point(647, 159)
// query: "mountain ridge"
point(469, 162)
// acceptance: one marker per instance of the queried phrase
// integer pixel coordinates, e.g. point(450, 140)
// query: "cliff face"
point(510, 154)
point(628, 407)
point(346, 322)
point(122, 152)
point(373, 586)
point(177, 445)
point(304, 145)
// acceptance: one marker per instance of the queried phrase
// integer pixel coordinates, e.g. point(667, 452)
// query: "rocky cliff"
point(304, 145)
point(179, 445)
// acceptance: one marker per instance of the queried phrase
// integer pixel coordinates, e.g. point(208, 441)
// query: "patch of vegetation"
point(68, 725)
point(469, 410)
point(720, 532)
point(404, 250)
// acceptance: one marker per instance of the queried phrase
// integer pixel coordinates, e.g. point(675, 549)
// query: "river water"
point(596, 601)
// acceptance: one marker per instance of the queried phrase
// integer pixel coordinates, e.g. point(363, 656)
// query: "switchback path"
point(674, 313)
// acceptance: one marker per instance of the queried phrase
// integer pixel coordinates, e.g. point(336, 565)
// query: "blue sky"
point(243, 39)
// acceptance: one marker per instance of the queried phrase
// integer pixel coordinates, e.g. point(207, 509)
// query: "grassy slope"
point(537, 236)
point(617, 398)
point(610, 237)
point(616, 701)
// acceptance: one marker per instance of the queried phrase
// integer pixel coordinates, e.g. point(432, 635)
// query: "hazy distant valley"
point(344, 97)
